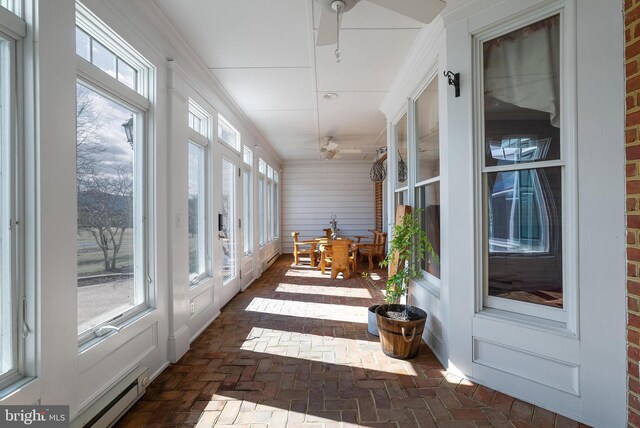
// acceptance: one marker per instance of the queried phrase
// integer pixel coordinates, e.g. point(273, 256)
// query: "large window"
point(262, 182)
point(12, 289)
point(197, 214)
point(110, 170)
point(247, 198)
point(269, 202)
point(228, 220)
point(427, 166)
point(276, 205)
point(523, 167)
point(400, 180)
point(198, 190)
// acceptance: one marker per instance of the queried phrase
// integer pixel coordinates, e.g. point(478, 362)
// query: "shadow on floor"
point(293, 350)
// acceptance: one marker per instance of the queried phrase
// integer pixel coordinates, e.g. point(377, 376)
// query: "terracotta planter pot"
point(372, 326)
point(399, 338)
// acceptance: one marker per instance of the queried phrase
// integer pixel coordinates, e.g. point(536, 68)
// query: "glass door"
point(228, 229)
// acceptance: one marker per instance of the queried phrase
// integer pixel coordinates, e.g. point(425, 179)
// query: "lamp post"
point(128, 130)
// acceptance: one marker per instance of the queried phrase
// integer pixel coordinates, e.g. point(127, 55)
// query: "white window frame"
point(138, 101)
point(14, 6)
point(547, 317)
point(233, 216)
point(202, 138)
point(247, 200)
point(269, 202)
point(428, 280)
point(225, 124)
point(276, 205)
point(404, 190)
point(118, 58)
point(13, 29)
point(262, 190)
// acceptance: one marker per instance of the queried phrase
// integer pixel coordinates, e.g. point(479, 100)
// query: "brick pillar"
point(632, 147)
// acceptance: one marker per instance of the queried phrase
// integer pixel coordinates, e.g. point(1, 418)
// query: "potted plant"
point(400, 326)
point(372, 324)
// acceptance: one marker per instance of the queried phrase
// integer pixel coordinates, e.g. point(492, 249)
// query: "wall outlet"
point(192, 307)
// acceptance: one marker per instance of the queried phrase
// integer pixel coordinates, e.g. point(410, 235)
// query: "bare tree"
point(105, 193)
point(89, 144)
point(104, 211)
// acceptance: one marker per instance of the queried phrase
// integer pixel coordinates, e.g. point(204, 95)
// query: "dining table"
point(323, 240)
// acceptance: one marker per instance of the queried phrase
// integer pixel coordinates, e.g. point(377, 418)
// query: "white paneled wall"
point(312, 191)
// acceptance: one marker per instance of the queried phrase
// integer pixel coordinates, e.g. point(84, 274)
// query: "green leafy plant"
point(409, 245)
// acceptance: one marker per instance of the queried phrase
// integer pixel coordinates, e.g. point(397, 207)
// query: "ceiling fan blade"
point(420, 10)
point(350, 151)
point(327, 29)
point(338, 156)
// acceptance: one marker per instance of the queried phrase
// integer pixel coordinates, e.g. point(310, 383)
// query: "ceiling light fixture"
point(330, 95)
point(338, 5)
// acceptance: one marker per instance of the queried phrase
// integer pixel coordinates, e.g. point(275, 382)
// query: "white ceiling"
point(264, 54)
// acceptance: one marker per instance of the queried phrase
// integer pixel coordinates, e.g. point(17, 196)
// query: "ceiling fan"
point(330, 149)
point(332, 10)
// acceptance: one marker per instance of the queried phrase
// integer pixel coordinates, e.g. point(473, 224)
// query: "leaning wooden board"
point(401, 211)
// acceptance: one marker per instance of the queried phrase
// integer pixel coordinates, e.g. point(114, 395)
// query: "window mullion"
point(523, 166)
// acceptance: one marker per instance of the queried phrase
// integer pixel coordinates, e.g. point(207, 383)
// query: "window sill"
point(124, 325)
point(19, 390)
point(431, 288)
point(201, 282)
point(528, 321)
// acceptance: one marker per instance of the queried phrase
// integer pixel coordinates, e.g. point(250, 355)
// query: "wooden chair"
point(327, 233)
point(299, 249)
point(339, 255)
point(375, 249)
point(365, 239)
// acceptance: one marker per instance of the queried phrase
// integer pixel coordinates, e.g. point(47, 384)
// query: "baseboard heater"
point(269, 262)
point(107, 409)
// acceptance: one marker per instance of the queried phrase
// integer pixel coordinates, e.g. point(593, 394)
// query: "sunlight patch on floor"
point(292, 308)
point(323, 290)
point(340, 352)
point(308, 273)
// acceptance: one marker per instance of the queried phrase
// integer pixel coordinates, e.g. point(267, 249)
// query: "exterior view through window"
point(247, 200)
point(197, 229)
point(228, 220)
point(8, 313)
point(523, 165)
point(106, 237)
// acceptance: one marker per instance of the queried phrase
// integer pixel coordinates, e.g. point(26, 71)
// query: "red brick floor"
point(293, 351)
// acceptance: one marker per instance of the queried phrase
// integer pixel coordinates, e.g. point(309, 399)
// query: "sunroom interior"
point(155, 253)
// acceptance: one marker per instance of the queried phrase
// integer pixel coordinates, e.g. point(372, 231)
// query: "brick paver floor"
point(293, 351)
